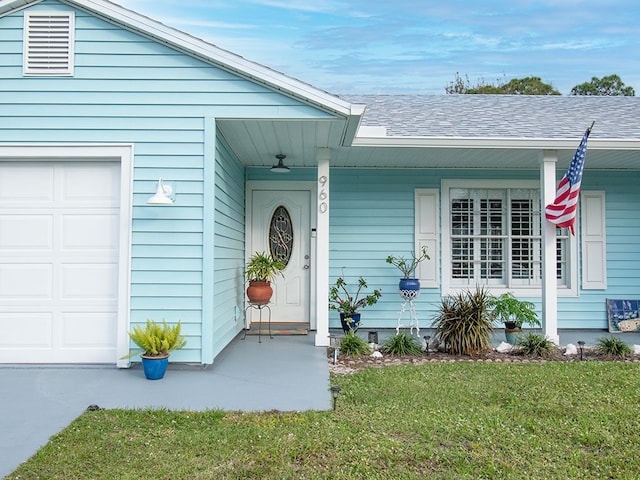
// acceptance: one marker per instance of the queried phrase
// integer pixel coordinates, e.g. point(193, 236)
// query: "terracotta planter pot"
point(259, 292)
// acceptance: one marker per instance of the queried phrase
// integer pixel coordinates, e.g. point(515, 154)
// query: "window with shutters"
point(48, 43)
point(494, 237)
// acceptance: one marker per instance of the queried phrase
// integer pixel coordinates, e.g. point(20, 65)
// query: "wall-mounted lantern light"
point(163, 195)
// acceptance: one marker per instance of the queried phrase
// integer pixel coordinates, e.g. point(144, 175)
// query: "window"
point(281, 235)
point(495, 237)
point(48, 43)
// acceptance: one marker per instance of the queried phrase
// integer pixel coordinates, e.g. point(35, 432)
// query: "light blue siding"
point(372, 216)
point(228, 247)
point(130, 89)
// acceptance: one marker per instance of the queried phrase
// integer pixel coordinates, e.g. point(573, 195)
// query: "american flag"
point(562, 211)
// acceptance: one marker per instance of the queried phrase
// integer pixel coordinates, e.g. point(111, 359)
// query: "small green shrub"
point(464, 322)
point(613, 347)
point(352, 345)
point(402, 344)
point(535, 344)
point(156, 339)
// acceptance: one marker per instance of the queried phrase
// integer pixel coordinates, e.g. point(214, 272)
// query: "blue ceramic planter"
point(352, 324)
point(409, 288)
point(154, 367)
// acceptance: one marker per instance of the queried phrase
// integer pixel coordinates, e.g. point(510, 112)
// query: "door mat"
point(279, 329)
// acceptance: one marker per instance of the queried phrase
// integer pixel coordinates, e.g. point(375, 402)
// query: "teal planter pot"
point(154, 367)
point(512, 334)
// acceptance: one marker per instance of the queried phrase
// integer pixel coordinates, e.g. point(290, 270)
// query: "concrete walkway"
point(286, 373)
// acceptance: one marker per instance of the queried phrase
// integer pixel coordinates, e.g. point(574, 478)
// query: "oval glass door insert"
point(281, 235)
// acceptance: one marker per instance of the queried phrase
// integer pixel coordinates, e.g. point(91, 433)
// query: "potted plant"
point(156, 341)
point(409, 286)
point(260, 271)
point(513, 313)
point(348, 305)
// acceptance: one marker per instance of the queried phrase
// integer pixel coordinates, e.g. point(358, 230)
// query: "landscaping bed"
point(346, 364)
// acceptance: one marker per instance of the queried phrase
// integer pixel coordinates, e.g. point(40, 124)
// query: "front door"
point(280, 225)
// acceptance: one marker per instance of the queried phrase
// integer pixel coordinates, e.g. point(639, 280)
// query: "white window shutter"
point(427, 212)
point(594, 240)
point(48, 43)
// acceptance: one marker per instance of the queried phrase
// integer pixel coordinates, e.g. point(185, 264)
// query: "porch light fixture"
point(335, 390)
point(581, 345)
point(280, 167)
point(163, 195)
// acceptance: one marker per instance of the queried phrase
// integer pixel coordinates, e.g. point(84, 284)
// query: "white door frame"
point(122, 153)
point(284, 186)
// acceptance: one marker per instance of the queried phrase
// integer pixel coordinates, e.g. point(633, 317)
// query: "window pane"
point(496, 238)
point(281, 235)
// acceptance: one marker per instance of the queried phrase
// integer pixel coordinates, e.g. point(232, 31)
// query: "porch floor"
point(285, 373)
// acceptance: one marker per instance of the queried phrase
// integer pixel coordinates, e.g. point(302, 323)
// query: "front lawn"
point(462, 420)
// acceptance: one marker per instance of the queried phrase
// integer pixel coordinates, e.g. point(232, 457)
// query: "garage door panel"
point(20, 281)
point(26, 232)
point(89, 281)
point(23, 183)
point(95, 232)
point(102, 185)
point(88, 329)
point(26, 330)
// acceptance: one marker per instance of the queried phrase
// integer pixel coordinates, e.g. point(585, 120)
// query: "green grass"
point(461, 420)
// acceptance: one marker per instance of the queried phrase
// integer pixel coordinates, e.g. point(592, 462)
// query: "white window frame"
point(570, 289)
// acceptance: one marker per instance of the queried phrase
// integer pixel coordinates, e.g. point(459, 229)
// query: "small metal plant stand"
point(260, 307)
point(408, 297)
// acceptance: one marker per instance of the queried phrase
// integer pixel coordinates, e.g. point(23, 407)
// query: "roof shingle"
point(502, 116)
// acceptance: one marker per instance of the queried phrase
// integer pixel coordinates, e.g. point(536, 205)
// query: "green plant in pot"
point(409, 286)
point(348, 305)
point(513, 313)
point(261, 270)
point(156, 341)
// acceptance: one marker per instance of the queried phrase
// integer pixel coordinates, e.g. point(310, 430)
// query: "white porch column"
point(322, 249)
point(548, 162)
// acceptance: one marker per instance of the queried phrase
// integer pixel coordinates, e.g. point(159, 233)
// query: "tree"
point(516, 86)
point(611, 85)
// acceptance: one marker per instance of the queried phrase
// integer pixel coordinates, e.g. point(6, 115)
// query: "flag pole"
point(592, 124)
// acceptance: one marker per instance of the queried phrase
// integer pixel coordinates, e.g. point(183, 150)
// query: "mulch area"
point(346, 365)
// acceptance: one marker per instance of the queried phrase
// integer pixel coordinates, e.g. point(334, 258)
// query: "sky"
point(417, 46)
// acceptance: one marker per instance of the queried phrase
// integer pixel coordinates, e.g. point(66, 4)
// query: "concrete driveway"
point(286, 373)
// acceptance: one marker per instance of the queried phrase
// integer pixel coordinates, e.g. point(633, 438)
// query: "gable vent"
point(48, 43)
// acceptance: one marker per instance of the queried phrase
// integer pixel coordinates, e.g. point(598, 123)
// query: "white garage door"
point(58, 261)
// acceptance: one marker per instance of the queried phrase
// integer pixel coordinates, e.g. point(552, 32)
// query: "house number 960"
point(322, 195)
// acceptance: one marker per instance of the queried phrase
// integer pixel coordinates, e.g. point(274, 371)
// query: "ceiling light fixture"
point(280, 167)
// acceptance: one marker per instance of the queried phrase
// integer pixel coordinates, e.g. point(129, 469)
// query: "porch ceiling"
point(256, 142)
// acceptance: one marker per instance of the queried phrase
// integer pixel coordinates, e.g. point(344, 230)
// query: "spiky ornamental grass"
point(464, 322)
point(352, 345)
point(402, 344)
point(613, 347)
point(534, 344)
